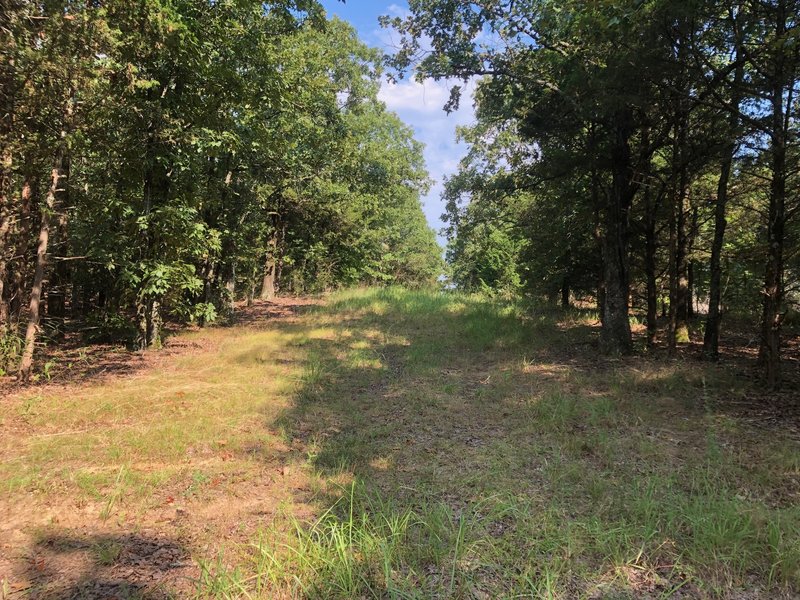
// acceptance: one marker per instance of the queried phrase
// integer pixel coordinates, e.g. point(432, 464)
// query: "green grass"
point(415, 444)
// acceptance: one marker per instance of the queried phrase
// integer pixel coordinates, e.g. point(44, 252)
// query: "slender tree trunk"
point(26, 364)
point(769, 352)
point(714, 317)
point(5, 231)
point(565, 292)
point(208, 285)
point(650, 275)
point(57, 285)
point(673, 279)
point(269, 280)
point(8, 86)
point(678, 276)
point(20, 273)
point(230, 287)
point(598, 227)
point(651, 205)
point(601, 282)
point(690, 291)
point(616, 331)
point(711, 334)
point(154, 324)
point(682, 267)
point(279, 253)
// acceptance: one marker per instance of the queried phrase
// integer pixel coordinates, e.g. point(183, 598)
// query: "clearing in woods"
point(465, 449)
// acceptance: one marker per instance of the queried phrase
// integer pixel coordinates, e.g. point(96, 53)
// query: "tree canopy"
point(165, 158)
point(638, 152)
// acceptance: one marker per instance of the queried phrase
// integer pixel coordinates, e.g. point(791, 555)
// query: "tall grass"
point(361, 547)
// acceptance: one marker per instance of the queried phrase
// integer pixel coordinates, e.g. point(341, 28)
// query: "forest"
point(243, 358)
point(164, 159)
point(642, 154)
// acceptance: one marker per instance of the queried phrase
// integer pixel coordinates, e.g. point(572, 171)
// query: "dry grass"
point(467, 449)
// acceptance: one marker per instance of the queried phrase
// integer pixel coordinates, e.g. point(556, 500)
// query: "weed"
point(106, 552)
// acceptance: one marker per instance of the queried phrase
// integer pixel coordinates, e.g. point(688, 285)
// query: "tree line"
point(163, 158)
point(641, 151)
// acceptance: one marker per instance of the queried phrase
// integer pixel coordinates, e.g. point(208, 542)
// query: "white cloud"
point(409, 95)
point(420, 104)
point(396, 10)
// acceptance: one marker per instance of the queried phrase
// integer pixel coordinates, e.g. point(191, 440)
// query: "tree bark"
point(650, 275)
point(269, 280)
point(678, 275)
point(690, 291)
point(230, 287)
point(20, 265)
point(615, 335)
point(651, 206)
point(5, 229)
point(682, 266)
point(8, 87)
point(565, 292)
point(713, 319)
point(59, 277)
point(26, 363)
point(769, 352)
point(772, 317)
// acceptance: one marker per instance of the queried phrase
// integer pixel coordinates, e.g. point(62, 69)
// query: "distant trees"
point(163, 158)
point(652, 158)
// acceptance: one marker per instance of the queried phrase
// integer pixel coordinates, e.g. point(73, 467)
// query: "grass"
point(413, 444)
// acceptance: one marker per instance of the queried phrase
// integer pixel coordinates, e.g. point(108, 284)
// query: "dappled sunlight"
point(518, 467)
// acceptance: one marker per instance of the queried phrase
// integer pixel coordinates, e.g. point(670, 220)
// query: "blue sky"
point(418, 104)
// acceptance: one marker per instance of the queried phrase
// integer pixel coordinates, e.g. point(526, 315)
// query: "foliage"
point(626, 152)
point(185, 151)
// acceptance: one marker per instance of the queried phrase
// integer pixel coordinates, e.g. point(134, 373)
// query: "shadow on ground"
point(637, 476)
point(67, 565)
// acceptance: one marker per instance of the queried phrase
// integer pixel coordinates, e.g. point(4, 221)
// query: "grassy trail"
point(396, 444)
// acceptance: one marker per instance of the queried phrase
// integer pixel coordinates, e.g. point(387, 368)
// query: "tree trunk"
point(154, 323)
point(59, 278)
point(711, 334)
point(268, 282)
point(769, 352)
point(565, 293)
point(615, 335)
point(598, 227)
point(714, 317)
point(650, 275)
point(8, 82)
point(678, 276)
point(682, 270)
point(230, 287)
point(148, 312)
point(209, 269)
point(26, 364)
point(24, 225)
point(5, 229)
point(783, 79)
point(690, 291)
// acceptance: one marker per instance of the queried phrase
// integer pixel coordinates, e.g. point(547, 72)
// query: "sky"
point(420, 105)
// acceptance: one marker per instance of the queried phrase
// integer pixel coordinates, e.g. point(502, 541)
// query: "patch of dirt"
point(59, 549)
point(259, 312)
